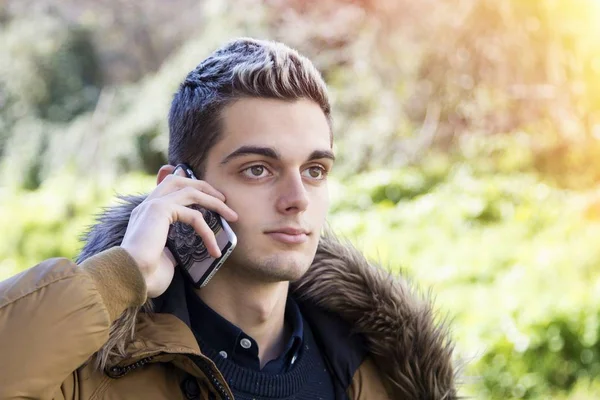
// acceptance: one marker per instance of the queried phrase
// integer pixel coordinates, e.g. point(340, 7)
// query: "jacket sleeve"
point(56, 315)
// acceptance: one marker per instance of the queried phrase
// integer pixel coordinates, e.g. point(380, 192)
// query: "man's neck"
point(255, 307)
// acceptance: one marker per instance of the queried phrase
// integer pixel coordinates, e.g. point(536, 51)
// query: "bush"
point(48, 222)
point(49, 74)
point(561, 353)
point(510, 258)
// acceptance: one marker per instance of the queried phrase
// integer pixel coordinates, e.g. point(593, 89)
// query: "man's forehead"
point(293, 129)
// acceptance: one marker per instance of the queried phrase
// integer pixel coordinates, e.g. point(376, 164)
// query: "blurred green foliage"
point(467, 136)
point(511, 258)
point(49, 74)
point(49, 221)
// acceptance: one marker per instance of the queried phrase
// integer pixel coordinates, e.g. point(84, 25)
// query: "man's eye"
point(316, 173)
point(255, 171)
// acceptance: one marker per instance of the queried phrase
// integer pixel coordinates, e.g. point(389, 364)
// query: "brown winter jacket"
point(59, 320)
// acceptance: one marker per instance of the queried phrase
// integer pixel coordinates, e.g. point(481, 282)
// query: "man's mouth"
point(289, 235)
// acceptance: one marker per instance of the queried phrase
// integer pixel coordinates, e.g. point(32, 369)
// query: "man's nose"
point(292, 196)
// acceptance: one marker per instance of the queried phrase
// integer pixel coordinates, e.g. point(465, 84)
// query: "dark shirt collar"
point(231, 342)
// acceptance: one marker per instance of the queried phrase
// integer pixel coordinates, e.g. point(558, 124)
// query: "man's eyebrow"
point(245, 150)
point(318, 154)
point(272, 153)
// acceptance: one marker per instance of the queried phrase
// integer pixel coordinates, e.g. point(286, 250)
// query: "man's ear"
point(163, 172)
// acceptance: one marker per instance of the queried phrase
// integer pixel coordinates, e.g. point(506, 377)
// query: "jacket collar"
point(413, 352)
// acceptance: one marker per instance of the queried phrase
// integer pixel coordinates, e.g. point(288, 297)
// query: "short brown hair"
point(243, 68)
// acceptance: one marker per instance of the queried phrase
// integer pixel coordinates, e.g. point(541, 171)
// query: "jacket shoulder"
point(367, 383)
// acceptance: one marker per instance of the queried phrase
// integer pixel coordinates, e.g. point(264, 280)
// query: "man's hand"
point(149, 224)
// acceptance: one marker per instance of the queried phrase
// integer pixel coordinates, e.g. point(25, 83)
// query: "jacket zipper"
point(206, 368)
point(118, 372)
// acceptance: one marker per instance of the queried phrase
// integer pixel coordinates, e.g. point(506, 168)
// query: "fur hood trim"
point(411, 349)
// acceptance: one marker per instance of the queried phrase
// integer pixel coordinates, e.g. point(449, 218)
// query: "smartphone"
point(189, 250)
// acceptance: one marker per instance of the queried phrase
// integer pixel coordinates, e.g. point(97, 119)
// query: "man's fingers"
point(196, 220)
point(188, 196)
point(173, 183)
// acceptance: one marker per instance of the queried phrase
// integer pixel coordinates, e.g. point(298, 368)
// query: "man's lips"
point(289, 235)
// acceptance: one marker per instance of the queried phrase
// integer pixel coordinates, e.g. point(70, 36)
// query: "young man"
point(253, 121)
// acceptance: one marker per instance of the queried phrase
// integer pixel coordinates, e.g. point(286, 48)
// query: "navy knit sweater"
point(309, 379)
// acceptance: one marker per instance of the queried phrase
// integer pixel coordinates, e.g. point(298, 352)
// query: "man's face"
point(271, 164)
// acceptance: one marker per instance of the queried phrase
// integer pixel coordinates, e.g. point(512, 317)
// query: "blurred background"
point(467, 131)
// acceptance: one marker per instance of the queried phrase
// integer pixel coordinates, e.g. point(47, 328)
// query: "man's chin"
point(281, 267)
